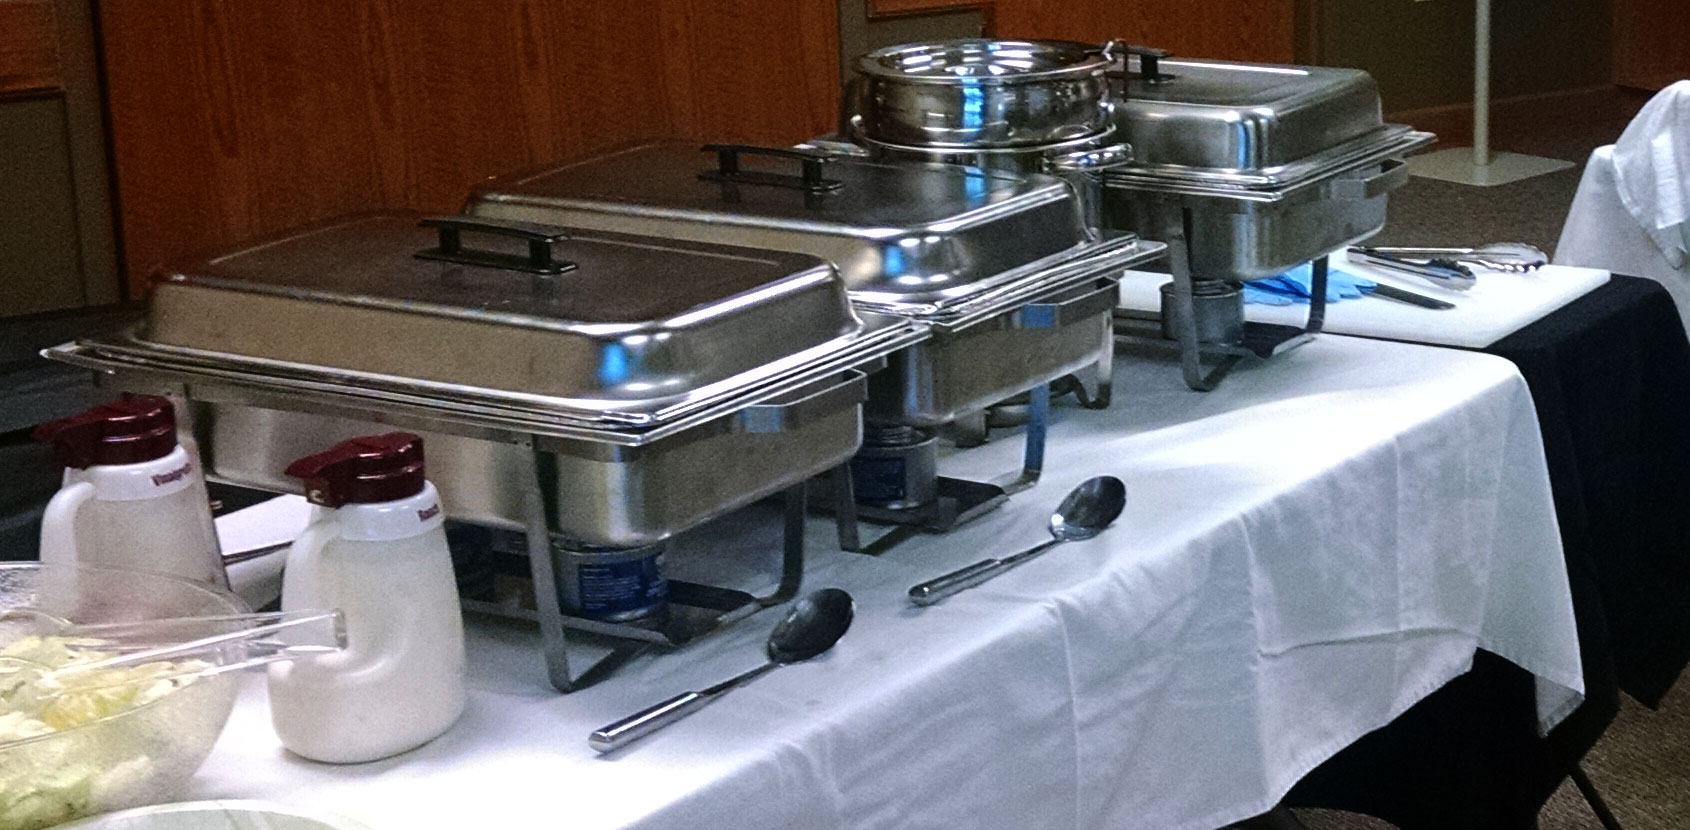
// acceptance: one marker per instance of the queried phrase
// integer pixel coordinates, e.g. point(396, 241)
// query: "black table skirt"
point(1610, 376)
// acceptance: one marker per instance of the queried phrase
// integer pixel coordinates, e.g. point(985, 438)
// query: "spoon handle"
point(647, 721)
point(933, 590)
point(657, 716)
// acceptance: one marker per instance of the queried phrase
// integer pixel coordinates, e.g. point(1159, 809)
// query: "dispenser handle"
point(540, 239)
point(302, 575)
point(58, 524)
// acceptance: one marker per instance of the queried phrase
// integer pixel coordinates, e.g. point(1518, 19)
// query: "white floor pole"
point(1477, 165)
point(1481, 84)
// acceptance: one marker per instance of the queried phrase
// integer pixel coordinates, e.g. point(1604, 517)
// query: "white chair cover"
point(1631, 214)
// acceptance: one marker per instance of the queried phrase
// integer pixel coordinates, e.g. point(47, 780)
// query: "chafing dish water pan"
point(661, 382)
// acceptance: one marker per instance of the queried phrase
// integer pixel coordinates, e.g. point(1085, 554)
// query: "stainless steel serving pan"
point(1276, 165)
point(949, 246)
point(636, 382)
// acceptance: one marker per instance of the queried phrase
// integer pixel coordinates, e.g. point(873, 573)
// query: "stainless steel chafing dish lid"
point(1250, 125)
point(912, 239)
point(587, 327)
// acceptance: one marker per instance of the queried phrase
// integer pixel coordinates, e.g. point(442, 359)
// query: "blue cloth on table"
point(1297, 286)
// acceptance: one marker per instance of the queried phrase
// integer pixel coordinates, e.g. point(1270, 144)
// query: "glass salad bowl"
point(114, 685)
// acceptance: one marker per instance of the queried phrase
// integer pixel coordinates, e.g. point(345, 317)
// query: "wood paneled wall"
point(231, 120)
point(29, 47)
point(1651, 43)
point(1250, 30)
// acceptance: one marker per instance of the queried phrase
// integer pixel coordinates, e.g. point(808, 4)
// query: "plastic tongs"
point(1442, 272)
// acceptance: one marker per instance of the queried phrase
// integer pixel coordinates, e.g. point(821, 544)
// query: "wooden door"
point(56, 247)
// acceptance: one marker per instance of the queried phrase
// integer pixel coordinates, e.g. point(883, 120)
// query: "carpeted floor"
point(1642, 765)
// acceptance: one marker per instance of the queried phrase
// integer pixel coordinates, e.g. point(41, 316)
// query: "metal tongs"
point(1439, 271)
point(1509, 257)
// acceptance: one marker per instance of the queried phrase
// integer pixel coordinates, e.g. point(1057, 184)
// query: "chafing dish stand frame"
point(555, 624)
point(1260, 339)
point(960, 500)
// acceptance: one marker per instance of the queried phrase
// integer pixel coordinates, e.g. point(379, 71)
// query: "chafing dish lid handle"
point(540, 239)
point(1149, 58)
point(810, 179)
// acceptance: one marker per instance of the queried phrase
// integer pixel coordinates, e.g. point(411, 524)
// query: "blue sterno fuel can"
point(618, 585)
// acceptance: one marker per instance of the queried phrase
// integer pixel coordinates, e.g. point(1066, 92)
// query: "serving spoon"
point(815, 622)
point(1084, 513)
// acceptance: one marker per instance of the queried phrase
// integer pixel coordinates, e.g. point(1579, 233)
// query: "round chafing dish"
point(1020, 106)
point(983, 93)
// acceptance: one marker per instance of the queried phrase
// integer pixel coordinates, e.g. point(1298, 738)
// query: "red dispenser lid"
point(365, 470)
point(130, 430)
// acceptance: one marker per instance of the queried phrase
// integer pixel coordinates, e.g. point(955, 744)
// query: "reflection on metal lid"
point(920, 234)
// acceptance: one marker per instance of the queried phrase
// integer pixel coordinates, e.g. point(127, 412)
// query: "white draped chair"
point(1632, 211)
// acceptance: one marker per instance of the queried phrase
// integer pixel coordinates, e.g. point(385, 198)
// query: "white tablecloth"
point(1306, 552)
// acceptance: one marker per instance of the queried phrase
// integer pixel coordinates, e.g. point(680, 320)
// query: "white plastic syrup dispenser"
point(132, 496)
point(380, 556)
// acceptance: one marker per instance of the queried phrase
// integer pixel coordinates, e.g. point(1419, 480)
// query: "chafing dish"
point(640, 366)
point(1246, 171)
point(602, 389)
point(1001, 267)
point(1278, 164)
point(1015, 286)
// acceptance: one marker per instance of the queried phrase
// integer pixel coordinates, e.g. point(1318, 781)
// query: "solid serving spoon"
point(815, 622)
point(1084, 513)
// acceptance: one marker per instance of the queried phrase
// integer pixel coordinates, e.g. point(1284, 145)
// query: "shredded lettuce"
point(67, 778)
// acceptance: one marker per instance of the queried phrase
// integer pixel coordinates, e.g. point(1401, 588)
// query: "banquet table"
point(1306, 553)
point(1610, 379)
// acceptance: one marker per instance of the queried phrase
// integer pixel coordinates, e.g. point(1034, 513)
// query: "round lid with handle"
point(130, 430)
point(364, 470)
